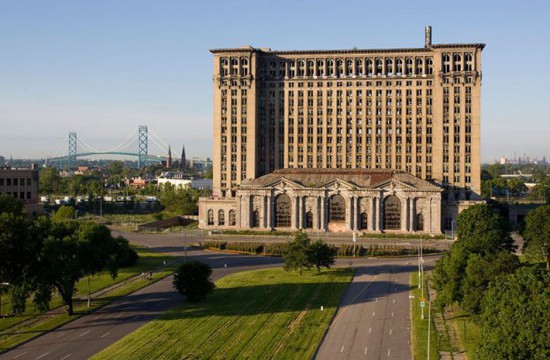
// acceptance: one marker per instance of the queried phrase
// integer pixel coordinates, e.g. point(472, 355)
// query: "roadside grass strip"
point(15, 330)
point(420, 327)
point(255, 314)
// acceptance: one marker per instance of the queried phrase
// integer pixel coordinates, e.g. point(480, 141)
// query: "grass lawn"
point(467, 330)
point(257, 314)
point(13, 331)
point(419, 326)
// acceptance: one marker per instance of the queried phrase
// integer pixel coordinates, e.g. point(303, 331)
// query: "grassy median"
point(419, 326)
point(264, 313)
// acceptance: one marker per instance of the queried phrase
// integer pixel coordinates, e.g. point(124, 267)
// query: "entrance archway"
point(392, 213)
point(282, 211)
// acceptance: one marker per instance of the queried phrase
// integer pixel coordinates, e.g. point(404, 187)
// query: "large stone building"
point(416, 110)
point(22, 184)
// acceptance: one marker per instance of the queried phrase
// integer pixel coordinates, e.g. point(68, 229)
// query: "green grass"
point(257, 314)
point(468, 331)
point(419, 326)
point(13, 331)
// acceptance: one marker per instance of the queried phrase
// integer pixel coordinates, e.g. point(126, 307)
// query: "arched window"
point(255, 219)
point(210, 217)
point(232, 218)
point(457, 62)
point(379, 66)
point(419, 66)
point(446, 63)
point(392, 213)
point(399, 66)
point(340, 67)
point(309, 220)
point(349, 67)
point(359, 67)
point(301, 68)
point(310, 67)
point(330, 67)
point(336, 209)
point(320, 68)
point(364, 220)
point(409, 66)
point(389, 66)
point(368, 63)
point(429, 66)
point(221, 217)
point(420, 222)
point(282, 211)
point(468, 66)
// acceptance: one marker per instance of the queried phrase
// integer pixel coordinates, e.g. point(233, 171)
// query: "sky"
point(102, 68)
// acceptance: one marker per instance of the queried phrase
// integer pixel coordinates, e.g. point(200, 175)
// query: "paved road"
point(355, 331)
point(84, 337)
point(373, 321)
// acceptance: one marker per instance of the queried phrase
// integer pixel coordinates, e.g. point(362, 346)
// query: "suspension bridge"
point(135, 145)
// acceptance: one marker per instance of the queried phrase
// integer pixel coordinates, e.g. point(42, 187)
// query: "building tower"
point(169, 158)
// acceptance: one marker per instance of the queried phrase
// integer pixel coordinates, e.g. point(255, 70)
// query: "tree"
point(297, 254)
point(482, 231)
point(49, 181)
point(322, 255)
point(537, 234)
point(71, 251)
point(515, 322)
point(10, 205)
point(192, 279)
point(64, 213)
point(480, 272)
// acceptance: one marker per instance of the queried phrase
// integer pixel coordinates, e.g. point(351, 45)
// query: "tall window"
point(282, 211)
point(232, 218)
point(255, 219)
point(210, 217)
point(309, 220)
point(392, 213)
point(337, 208)
point(221, 217)
point(420, 222)
point(364, 220)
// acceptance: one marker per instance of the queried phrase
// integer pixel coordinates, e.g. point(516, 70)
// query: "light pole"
point(354, 242)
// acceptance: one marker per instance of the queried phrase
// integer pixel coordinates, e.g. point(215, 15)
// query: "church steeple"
point(183, 163)
point(169, 158)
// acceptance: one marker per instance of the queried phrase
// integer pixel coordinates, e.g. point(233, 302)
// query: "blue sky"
point(101, 68)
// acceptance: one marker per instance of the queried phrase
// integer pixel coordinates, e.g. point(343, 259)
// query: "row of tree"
point(485, 278)
point(301, 254)
point(44, 256)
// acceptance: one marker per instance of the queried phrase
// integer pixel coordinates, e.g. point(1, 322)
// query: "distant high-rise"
point(169, 158)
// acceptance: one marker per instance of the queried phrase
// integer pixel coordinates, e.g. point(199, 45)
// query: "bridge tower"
point(71, 159)
point(142, 146)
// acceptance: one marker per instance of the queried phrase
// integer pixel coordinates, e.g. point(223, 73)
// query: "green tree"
point(10, 205)
point(192, 279)
point(515, 322)
point(297, 253)
point(322, 255)
point(64, 213)
point(482, 231)
point(537, 235)
point(480, 272)
point(49, 180)
point(448, 275)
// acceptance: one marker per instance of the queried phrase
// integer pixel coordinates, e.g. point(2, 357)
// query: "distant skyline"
point(103, 68)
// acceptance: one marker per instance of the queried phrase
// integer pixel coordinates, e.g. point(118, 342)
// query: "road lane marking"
point(391, 331)
point(392, 314)
point(373, 313)
point(366, 349)
point(388, 352)
point(106, 334)
point(65, 357)
point(370, 330)
point(41, 356)
point(84, 333)
point(119, 315)
point(352, 301)
point(18, 356)
point(342, 349)
point(394, 301)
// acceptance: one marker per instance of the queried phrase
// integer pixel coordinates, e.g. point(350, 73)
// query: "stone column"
point(374, 214)
point(357, 212)
point(412, 215)
point(404, 215)
point(269, 223)
point(264, 211)
point(381, 212)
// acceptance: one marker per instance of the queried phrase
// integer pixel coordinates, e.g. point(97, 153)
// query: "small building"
point(333, 200)
point(22, 184)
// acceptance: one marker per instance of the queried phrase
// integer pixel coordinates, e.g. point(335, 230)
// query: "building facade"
point(357, 200)
point(22, 184)
point(416, 110)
